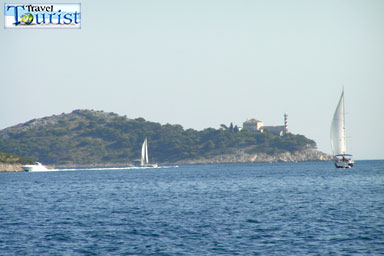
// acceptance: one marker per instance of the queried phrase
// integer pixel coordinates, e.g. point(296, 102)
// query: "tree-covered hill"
point(87, 136)
point(6, 158)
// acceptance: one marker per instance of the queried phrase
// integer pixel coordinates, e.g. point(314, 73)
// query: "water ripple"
point(234, 209)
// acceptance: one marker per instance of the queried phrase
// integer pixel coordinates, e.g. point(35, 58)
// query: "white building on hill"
point(276, 130)
point(256, 125)
point(253, 125)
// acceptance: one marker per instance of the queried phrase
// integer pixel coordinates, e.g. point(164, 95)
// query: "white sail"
point(338, 142)
point(144, 153)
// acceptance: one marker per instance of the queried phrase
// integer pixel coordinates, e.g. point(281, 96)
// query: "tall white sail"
point(144, 153)
point(338, 143)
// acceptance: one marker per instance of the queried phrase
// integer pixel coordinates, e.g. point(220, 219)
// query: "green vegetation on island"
point(6, 158)
point(86, 136)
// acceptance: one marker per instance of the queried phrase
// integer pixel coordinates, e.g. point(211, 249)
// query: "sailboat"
point(144, 155)
point(338, 141)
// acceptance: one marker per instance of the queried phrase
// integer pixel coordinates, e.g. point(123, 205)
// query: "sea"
point(305, 208)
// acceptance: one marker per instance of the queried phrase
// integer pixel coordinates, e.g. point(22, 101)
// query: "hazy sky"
point(204, 63)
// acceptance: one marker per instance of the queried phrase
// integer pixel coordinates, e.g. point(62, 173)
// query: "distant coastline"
point(239, 157)
point(99, 139)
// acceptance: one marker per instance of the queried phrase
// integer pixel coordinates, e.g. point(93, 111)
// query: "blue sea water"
point(227, 209)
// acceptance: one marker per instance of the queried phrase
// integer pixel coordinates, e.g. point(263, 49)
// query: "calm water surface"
point(227, 209)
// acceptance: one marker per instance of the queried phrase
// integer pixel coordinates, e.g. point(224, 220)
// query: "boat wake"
point(117, 168)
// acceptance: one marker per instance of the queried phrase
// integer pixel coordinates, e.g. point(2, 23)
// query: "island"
point(98, 138)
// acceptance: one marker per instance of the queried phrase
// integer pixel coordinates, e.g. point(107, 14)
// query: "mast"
point(342, 116)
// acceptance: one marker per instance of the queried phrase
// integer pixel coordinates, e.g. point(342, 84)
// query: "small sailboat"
point(144, 155)
point(338, 141)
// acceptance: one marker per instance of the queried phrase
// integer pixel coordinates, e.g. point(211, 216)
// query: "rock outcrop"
point(240, 156)
point(10, 167)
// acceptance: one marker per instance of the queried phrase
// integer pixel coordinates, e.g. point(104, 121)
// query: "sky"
point(205, 63)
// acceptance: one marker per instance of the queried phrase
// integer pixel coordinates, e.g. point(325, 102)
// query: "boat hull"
point(344, 161)
point(37, 167)
point(343, 166)
point(149, 165)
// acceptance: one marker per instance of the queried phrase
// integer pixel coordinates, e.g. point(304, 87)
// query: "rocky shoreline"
point(240, 156)
point(10, 167)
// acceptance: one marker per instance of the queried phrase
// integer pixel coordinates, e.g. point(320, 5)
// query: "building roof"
point(252, 121)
